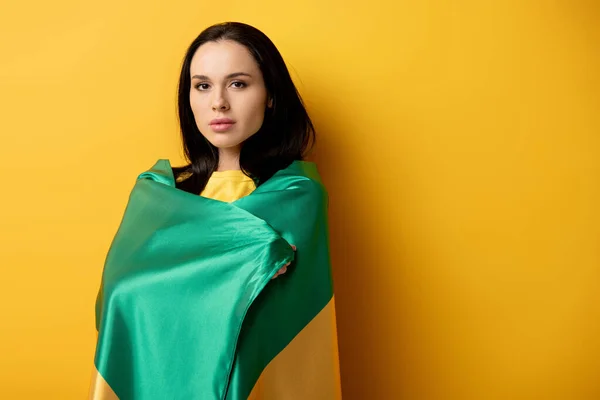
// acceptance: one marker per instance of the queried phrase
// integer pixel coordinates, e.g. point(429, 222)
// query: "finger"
point(280, 271)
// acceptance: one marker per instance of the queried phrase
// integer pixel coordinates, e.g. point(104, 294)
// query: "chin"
point(225, 142)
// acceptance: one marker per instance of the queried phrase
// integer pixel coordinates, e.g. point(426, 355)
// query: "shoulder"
point(313, 188)
point(301, 178)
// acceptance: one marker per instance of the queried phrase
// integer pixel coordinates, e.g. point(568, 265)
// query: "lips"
point(221, 124)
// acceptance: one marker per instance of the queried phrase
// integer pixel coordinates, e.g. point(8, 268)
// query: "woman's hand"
point(283, 269)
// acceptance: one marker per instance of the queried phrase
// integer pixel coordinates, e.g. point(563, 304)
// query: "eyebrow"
point(234, 75)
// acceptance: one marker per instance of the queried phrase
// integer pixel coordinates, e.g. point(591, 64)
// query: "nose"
point(219, 102)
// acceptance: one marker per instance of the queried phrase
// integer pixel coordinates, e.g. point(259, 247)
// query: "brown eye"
point(238, 84)
point(202, 86)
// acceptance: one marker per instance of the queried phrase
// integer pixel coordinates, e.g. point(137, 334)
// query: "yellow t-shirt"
point(228, 186)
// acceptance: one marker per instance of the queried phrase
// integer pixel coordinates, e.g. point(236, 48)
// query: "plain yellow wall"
point(460, 142)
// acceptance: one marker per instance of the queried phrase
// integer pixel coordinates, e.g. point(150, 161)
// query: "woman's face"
point(227, 94)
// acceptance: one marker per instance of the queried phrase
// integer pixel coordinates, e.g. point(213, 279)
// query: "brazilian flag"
point(187, 308)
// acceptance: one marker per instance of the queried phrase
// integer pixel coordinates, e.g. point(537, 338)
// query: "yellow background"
point(459, 140)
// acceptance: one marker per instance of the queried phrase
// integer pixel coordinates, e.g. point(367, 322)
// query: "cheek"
point(255, 112)
point(194, 105)
point(257, 116)
point(197, 103)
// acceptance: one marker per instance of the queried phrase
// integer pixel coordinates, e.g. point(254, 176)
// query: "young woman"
point(188, 307)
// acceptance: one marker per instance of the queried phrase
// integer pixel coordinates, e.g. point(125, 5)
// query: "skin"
point(226, 82)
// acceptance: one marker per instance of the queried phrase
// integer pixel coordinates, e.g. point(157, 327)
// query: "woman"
point(187, 307)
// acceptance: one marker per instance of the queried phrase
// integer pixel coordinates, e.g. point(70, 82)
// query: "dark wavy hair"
point(286, 134)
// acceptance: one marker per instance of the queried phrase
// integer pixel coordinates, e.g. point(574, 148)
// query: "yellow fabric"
point(308, 367)
point(99, 389)
point(228, 186)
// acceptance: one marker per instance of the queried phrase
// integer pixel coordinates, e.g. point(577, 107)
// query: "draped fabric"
point(187, 308)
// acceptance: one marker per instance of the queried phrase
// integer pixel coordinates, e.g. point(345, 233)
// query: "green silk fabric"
point(187, 308)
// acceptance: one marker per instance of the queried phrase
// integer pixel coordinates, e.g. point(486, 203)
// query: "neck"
point(229, 159)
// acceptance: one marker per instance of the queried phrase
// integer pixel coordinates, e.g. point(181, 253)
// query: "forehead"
point(216, 59)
